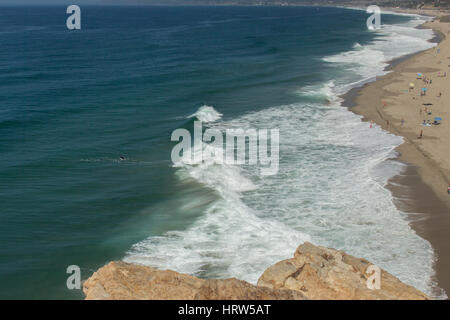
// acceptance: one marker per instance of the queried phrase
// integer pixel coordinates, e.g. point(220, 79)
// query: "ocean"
point(74, 101)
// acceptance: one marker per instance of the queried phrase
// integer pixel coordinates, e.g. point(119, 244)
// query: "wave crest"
point(206, 114)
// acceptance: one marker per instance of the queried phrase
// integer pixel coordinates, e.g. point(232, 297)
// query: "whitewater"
point(329, 189)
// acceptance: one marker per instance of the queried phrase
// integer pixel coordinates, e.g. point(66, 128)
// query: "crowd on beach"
point(426, 110)
point(421, 90)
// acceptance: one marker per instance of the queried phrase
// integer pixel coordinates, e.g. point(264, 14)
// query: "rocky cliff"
point(313, 273)
point(124, 281)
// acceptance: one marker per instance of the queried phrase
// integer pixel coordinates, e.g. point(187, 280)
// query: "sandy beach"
point(406, 102)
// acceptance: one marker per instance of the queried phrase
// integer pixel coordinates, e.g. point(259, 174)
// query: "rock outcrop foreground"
point(313, 273)
point(322, 274)
point(125, 281)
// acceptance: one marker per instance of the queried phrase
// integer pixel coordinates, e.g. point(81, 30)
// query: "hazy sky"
point(80, 2)
point(67, 2)
point(62, 2)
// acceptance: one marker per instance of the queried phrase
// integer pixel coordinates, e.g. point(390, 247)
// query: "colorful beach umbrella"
point(438, 119)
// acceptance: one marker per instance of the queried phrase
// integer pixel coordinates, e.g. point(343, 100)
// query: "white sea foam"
point(392, 41)
point(207, 114)
point(326, 91)
point(329, 189)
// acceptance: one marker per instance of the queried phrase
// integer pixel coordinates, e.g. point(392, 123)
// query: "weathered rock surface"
point(124, 281)
point(323, 273)
point(314, 273)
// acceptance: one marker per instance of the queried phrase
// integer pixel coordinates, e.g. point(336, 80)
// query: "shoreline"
point(419, 190)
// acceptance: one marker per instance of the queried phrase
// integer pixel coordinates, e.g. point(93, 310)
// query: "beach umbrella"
point(438, 119)
point(411, 85)
point(424, 89)
point(419, 74)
